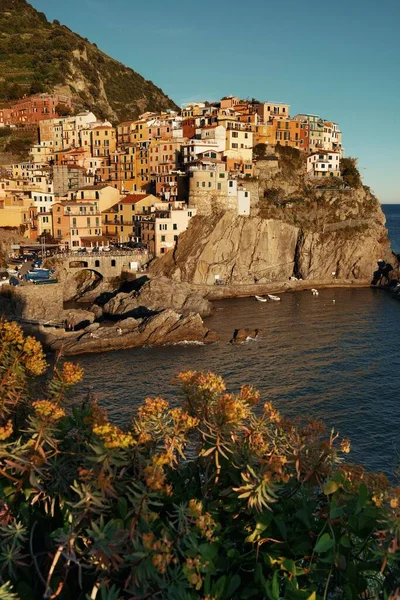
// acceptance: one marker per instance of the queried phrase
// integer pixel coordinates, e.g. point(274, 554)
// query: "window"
point(96, 263)
point(113, 262)
point(234, 145)
point(190, 213)
point(75, 243)
point(231, 184)
point(163, 227)
point(235, 134)
point(219, 186)
point(163, 238)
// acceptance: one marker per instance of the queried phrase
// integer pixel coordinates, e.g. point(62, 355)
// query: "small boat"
point(315, 292)
point(272, 297)
point(261, 298)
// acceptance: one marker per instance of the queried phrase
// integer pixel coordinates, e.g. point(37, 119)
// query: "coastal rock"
point(78, 318)
point(92, 327)
point(129, 323)
point(158, 294)
point(166, 327)
point(232, 249)
point(310, 234)
point(240, 336)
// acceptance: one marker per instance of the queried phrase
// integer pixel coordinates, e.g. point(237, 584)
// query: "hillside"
point(38, 56)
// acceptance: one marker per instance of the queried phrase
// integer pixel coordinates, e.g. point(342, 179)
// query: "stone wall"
point(32, 302)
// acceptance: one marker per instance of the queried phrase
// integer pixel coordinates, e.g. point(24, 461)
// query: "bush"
point(259, 151)
point(349, 172)
point(211, 500)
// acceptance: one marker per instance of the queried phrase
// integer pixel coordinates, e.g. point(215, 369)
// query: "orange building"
point(77, 224)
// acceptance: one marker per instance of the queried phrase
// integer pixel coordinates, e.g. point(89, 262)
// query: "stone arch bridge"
point(106, 264)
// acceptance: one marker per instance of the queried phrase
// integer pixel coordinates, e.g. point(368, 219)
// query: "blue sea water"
point(335, 357)
point(392, 214)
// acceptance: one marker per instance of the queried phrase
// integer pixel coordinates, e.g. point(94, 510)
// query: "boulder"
point(129, 323)
point(92, 327)
point(240, 336)
point(158, 294)
point(166, 327)
point(78, 318)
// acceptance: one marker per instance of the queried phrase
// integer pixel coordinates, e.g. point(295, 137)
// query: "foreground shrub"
point(219, 498)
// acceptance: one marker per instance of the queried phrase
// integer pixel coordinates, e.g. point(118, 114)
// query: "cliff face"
point(37, 56)
point(296, 229)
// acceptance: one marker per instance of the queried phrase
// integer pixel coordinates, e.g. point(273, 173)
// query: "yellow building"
point(19, 212)
point(103, 141)
point(121, 222)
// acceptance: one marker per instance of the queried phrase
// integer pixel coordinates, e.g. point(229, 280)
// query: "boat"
point(315, 292)
point(261, 298)
point(272, 297)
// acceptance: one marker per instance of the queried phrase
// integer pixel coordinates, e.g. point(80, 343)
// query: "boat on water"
point(272, 297)
point(315, 292)
point(261, 298)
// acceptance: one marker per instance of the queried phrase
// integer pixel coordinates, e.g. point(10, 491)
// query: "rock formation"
point(155, 295)
point(296, 228)
point(167, 327)
point(240, 336)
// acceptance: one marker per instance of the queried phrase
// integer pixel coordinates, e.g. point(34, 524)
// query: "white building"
point(323, 164)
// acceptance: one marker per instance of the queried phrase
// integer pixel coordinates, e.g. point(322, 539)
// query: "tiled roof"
point(133, 198)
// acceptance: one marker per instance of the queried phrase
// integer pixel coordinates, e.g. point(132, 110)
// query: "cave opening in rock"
point(80, 285)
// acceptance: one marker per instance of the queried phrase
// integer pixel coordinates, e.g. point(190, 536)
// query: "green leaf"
point(208, 551)
point(289, 565)
point(345, 541)
point(324, 543)
point(232, 587)
point(330, 487)
point(275, 586)
point(122, 507)
point(362, 498)
point(218, 587)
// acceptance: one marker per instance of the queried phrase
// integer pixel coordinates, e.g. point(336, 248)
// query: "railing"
point(76, 254)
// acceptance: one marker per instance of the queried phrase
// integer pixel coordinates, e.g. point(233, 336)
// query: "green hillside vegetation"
point(37, 56)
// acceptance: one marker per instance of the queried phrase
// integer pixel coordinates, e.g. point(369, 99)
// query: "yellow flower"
point(48, 411)
point(195, 507)
point(156, 479)
point(249, 395)
point(113, 437)
point(34, 356)
point(273, 414)
point(71, 373)
point(6, 430)
point(345, 446)
point(153, 407)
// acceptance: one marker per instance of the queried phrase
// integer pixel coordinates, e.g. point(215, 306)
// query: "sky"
point(340, 60)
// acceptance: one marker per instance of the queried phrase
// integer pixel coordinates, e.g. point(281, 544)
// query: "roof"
point(103, 127)
point(99, 186)
point(133, 198)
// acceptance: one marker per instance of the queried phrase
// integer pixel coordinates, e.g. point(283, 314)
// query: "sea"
point(335, 357)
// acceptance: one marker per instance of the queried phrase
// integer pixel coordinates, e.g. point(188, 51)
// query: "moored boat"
point(272, 297)
point(261, 298)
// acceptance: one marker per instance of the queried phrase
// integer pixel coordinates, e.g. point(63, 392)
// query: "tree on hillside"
point(63, 110)
point(349, 172)
point(259, 151)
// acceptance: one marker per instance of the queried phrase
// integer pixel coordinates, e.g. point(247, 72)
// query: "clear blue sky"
point(340, 60)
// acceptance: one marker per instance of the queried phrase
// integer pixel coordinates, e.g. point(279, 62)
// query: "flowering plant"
point(215, 497)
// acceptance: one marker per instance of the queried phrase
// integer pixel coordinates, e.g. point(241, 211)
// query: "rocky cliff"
point(36, 56)
point(297, 228)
